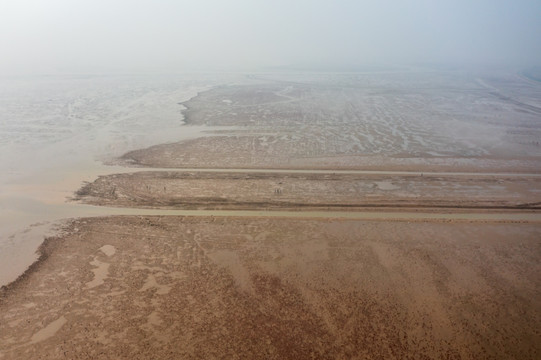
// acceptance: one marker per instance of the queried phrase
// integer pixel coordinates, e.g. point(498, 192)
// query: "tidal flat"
point(457, 277)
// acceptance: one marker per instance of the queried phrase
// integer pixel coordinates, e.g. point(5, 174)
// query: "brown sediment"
point(186, 287)
point(293, 191)
point(251, 151)
point(276, 287)
point(322, 126)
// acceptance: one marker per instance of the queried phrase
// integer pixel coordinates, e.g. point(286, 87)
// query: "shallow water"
point(91, 211)
point(18, 252)
point(54, 132)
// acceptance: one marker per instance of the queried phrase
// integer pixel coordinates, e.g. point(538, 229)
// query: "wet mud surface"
point(183, 287)
point(424, 121)
point(253, 287)
point(211, 190)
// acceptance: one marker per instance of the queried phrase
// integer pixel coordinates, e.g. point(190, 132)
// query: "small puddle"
point(101, 271)
point(48, 331)
point(386, 185)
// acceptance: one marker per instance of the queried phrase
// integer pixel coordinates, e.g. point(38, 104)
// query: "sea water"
point(55, 132)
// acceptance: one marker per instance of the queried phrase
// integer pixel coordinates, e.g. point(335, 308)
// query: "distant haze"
point(110, 36)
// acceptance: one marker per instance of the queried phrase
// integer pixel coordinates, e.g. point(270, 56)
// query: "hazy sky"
point(89, 36)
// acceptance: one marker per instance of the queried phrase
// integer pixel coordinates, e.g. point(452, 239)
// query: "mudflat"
point(188, 287)
point(426, 121)
point(462, 283)
point(296, 191)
